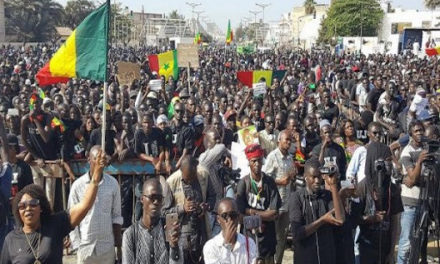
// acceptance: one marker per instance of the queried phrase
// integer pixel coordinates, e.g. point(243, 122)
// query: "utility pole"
point(198, 16)
point(263, 6)
point(255, 13)
point(193, 6)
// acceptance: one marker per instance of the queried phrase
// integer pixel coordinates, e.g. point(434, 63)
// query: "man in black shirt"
point(329, 153)
point(257, 194)
point(313, 214)
point(149, 142)
point(183, 135)
point(329, 109)
point(110, 134)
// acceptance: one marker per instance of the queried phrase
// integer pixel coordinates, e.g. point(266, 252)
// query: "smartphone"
point(13, 112)
point(170, 219)
point(252, 222)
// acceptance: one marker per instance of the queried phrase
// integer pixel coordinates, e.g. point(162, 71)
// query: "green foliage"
point(76, 11)
point(175, 15)
point(309, 6)
point(345, 17)
point(33, 20)
point(432, 4)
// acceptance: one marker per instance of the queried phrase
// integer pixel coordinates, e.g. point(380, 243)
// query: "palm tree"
point(309, 6)
point(432, 4)
point(76, 11)
point(33, 20)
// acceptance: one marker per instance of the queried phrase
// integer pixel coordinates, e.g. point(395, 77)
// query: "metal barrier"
point(52, 170)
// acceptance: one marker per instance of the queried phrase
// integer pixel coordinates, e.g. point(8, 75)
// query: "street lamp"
point(193, 6)
point(263, 6)
point(255, 13)
point(197, 21)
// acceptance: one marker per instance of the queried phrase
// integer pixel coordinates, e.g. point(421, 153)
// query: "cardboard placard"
point(188, 53)
point(155, 85)
point(259, 88)
point(128, 72)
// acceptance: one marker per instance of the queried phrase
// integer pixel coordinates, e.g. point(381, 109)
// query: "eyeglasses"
point(154, 197)
point(229, 216)
point(178, 110)
point(32, 203)
point(376, 132)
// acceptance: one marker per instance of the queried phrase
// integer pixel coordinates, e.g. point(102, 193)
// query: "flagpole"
point(104, 92)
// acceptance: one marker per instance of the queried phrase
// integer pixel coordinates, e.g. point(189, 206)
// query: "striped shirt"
point(94, 235)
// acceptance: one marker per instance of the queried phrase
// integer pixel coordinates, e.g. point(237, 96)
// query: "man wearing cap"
point(387, 111)
point(183, 135)
point(257, 194)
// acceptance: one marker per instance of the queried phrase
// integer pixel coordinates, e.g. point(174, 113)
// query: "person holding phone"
point(229, 246)
point(146, 240)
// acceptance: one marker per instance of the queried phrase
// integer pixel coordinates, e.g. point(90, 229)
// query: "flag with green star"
point(165, 64)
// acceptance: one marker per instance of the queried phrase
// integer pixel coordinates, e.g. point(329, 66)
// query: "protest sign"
point(155, 85)
point(248, 135)
point(128, 72)
point(188, 54)
point(259, 89)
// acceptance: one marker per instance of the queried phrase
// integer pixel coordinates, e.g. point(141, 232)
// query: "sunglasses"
point(154, 197)
point(32, 203)
point(229, 216)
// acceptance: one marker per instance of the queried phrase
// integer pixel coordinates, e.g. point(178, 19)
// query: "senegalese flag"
point(58, 123)
point(229, 34)
point(433, 51)
point(171, 106)
point(165, 64)
point(84, 54)
point(250, 77)
point(198, 38)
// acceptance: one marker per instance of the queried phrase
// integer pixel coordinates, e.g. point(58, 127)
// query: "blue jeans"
point(407, 220)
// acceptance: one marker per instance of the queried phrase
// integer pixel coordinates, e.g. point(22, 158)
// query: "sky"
point(221, 11)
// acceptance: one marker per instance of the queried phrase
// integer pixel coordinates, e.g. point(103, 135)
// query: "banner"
point(128, 72)
point(188, 53)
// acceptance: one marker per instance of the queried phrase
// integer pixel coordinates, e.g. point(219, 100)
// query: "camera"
point(252, 222)
point(228, 176)
point(329, 170)
point(379, 165)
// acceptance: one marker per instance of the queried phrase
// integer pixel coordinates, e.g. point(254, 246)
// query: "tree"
point(351, 18)
point(432, 4)
point(239, 32)
point(309, 6)
point(76, 11)
point(175, 15)
point(33, 20)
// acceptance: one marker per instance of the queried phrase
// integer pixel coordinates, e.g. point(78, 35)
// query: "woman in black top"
point(40, 233)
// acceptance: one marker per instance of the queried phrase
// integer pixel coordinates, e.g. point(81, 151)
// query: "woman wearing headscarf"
point(379, 207)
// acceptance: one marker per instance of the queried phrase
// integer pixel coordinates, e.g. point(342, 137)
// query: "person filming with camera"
point(257, 195)
point(378, 209)
point(412, 158)
point(314, 212)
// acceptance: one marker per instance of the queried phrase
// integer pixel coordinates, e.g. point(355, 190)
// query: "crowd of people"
point(335, 169)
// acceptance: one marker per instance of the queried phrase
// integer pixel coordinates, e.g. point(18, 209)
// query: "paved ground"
point(288, 256)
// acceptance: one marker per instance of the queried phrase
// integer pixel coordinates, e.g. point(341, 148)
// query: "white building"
point(395, 22)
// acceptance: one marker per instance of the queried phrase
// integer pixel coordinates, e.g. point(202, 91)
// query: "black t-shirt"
point(304, 209)
point(150, 144)
point(330, 113)
point(95, 139)
point(373, 98)
point(269, 198)
point(370, 234)
point(361, 132)
point(43, 150)
point(333, 154)
point(68, 137)
point(16, 248)
point(183, 138)
point(24, 174)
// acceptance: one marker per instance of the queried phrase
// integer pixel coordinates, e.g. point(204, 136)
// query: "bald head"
point(94, 152)
point(227, 204)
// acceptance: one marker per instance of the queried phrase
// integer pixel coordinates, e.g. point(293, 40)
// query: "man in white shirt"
point(100, 232)
point(229, 246)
